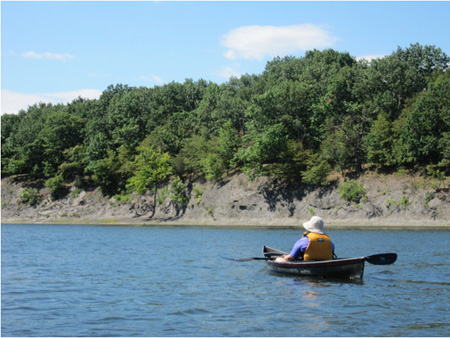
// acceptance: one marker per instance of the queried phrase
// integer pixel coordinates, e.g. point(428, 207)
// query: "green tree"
point(56, 187)
point(261, 148)
point(152, 168)
point(105, 174)
point(317, 170)
point(22, 150)
point(75, 162)
point(61, 131)
point(427, 126)
point(337, 151)
point(399, 76)
point(178, 195)
point(229, 143)
point(379, 141)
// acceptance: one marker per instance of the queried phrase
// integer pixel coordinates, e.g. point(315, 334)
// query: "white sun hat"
point(315, 224)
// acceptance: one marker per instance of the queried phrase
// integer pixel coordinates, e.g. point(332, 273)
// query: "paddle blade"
point(382, 259)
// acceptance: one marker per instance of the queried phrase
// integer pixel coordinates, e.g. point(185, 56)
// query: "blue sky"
point(56, 51)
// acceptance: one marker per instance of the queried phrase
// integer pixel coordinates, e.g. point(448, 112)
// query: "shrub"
point(429, 196)
point(198, 194)
point(351, 191)
point(178, 195)
point(163, 195)
point(30, 196)
point(56, 186)
point(404, 201)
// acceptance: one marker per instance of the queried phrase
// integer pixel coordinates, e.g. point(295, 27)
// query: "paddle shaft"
point(253, 258)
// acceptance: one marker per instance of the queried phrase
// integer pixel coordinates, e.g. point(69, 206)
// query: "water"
point(155, 281)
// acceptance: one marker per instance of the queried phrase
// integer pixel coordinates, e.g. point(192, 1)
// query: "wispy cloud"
point(152, 78)
point(257, 42)
point(13, 102)
point(47, 55)
point(228, 72)
point(371, 57)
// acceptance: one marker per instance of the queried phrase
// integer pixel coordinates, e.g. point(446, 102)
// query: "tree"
point(317, 170)
point(126, 117)
point(379, 141)
point(105, 175)
point(152, 168)
point(229, 143)
point(427, 126)
point(61, 131)
point(75, 162)
point(262, 147)
point(399, 76)
point(348, 111)
point(22, 151)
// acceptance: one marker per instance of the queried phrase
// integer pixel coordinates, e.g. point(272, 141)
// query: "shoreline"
point(413, 225)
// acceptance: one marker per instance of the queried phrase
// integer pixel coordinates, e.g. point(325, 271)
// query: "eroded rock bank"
point(390, 201)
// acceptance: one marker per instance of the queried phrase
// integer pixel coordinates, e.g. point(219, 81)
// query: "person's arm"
point(299, 247)
point(286, 258)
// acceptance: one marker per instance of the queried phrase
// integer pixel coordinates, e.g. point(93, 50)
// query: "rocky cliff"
point(390, 201)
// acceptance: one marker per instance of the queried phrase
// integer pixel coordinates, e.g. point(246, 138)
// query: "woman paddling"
point(314, 245)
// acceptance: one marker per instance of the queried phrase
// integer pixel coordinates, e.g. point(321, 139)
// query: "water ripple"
point(128, 281)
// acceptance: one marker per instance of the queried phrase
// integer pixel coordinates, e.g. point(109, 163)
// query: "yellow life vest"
point(319, 248)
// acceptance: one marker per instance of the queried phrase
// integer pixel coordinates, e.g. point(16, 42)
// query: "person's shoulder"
point(304, 239)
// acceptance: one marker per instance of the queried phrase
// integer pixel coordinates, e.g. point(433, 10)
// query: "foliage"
point(152, 168)
point(297, 120)
point(425, 135)
point(163, 195)
point(379, 141)
point(436, 173)
point(198, 194)
point(317, 171)
point(178, 194)
point(56, 187)
point(30, 196)
point(351, 191)
point(104, 174)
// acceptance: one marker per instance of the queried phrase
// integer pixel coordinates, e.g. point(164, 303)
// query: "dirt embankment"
point(236, 201)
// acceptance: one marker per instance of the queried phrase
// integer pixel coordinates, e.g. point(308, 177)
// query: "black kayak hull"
point(349, 268)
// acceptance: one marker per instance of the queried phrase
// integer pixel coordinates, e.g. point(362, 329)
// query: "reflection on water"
point(130, 281)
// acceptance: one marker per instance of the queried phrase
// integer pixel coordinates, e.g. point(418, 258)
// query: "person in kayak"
point(314, 245)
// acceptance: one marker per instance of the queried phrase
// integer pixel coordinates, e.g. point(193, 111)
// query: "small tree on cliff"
point(152, 168)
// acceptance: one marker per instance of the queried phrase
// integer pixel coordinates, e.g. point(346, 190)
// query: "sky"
point(53, 51)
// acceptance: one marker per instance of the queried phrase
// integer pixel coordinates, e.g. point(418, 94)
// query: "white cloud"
point(371, 57)
point(229, 72)
point(13, 102)
point(152, 78)
point(257, 42)
point(47, 55)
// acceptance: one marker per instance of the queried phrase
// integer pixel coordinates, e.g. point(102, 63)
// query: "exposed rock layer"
point(391, 201)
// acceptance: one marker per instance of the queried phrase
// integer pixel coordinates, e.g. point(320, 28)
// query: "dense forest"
point(300, 119)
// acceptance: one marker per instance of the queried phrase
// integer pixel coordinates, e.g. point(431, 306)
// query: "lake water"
point(84, 280)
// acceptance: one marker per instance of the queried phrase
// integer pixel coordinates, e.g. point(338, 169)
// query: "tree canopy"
point(299, 119)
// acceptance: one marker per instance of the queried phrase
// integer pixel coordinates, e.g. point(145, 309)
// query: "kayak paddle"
point(378, 259)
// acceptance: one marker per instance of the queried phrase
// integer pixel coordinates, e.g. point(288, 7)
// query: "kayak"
point(349, 268)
